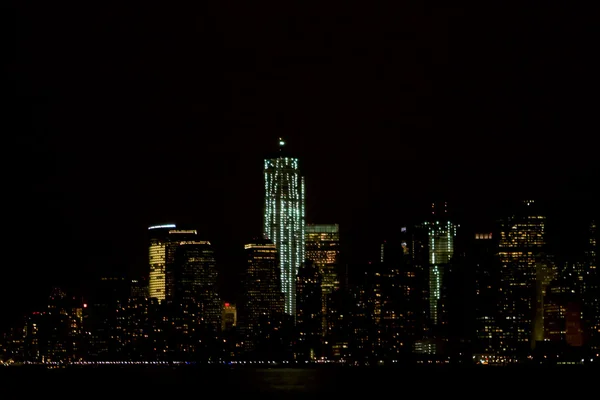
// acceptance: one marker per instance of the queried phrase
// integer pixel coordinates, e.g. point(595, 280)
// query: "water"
point(365, 383)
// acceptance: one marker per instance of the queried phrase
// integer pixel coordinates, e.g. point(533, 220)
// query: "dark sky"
point(118, 118)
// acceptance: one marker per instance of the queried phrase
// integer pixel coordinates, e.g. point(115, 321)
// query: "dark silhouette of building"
point(309, 309)
point(261, 312)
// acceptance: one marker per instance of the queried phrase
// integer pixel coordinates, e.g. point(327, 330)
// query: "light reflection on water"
point(286, 379)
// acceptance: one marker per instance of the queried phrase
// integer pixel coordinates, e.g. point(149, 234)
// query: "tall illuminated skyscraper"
point(158, 258)
point(522, 239)
point(284, 219)
point(441, 234)
point(164, 240)
point(323, 249)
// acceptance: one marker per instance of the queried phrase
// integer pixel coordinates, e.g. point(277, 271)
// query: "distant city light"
point(162, 226)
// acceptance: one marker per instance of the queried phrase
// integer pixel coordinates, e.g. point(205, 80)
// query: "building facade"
point(163, 242)
point(195, 283)
point(591, 288)
point(263, 300)
point(441, 233)
point(323, 249)
point(521, 243)
point(284, 219)
point(158, 238)
point(309, 319)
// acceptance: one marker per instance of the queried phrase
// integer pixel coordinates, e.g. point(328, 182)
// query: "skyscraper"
point(163, 242)
point(195, 283)
point(157, 258)
point(545, 274)
point(175, 239)
point(262, 302)
point(309, 321)
point(323, 249)
point(284, 219)
point(481, 258)
point(441, 234)
point(592, 287)
point(262, 283)
point(522, 239)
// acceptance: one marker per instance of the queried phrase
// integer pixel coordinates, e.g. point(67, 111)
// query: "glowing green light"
point(281, 142)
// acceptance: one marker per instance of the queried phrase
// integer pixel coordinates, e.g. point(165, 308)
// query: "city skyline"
point(491, 296)
point(130, 258)
point(114, 125)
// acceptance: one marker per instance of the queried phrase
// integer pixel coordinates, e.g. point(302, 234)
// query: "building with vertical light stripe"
point(441, 233)
point(284, 219)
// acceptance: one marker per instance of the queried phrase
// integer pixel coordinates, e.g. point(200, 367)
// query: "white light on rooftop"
point(162, 226)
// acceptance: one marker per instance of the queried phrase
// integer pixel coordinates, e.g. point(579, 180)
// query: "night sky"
point(119, 118)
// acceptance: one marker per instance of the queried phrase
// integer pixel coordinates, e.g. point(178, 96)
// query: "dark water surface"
point(367, 383)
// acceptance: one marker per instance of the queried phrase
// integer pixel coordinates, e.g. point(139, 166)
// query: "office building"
point(323, 249)
point(521, 243)
point(284, 219)
point(441, 233)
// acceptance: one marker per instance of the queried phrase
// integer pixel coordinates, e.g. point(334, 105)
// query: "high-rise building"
point(284, 219)
point(562, 317)
point(323, 249)
point(522, 239)
point(481, 258)
point(441, 234)
point(591, 288)
point(398, 286)
point(195, 282)
point(158, 235)
point(555, 311)
point(163, 240)
point(102, 314)
point(176, 237)
point(545, 273)
point(309, 320)
point(262, 299)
